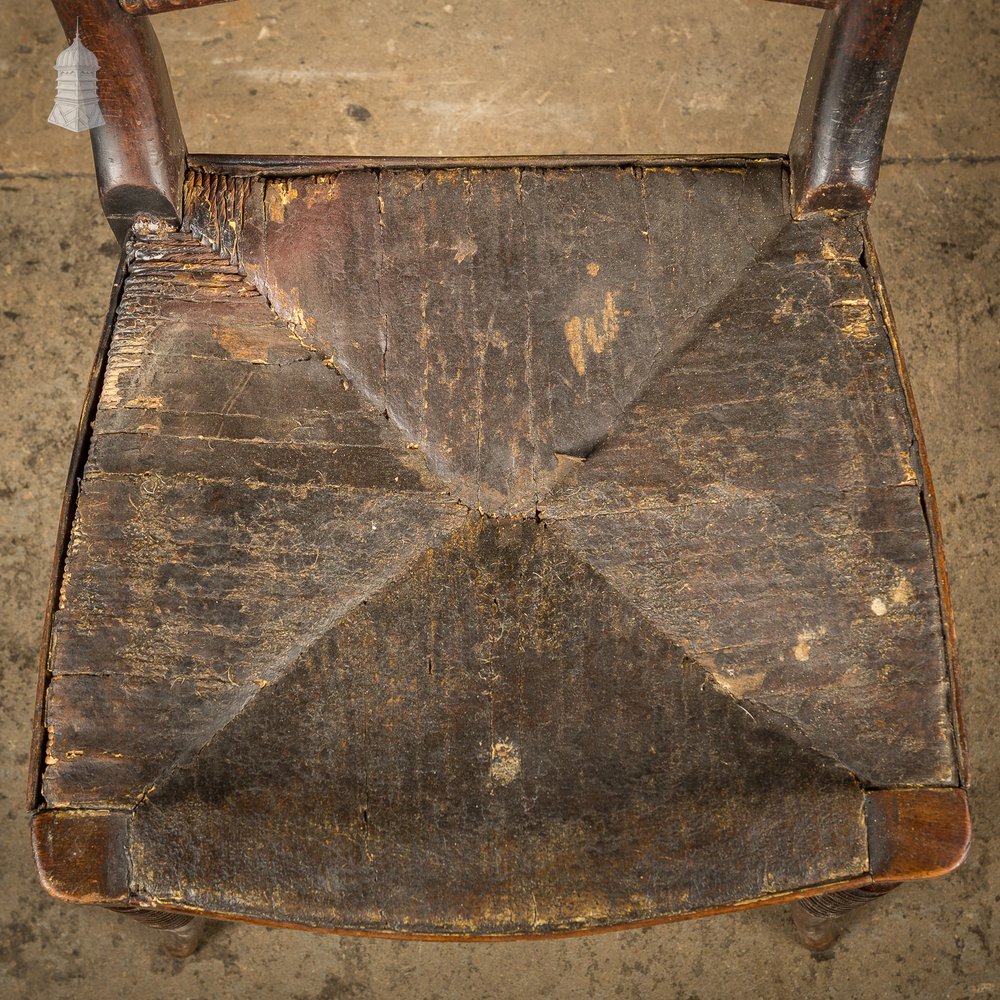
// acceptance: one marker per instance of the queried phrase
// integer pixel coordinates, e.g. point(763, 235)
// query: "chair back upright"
point(834, 157)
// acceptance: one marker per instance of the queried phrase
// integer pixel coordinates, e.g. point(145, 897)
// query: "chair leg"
point(181, 931)
point(815, 917)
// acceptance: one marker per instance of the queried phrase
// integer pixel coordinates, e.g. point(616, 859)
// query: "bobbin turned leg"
point(815, 917)
point(181, 931)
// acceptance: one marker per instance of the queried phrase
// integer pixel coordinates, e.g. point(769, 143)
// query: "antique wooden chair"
point(474, 550)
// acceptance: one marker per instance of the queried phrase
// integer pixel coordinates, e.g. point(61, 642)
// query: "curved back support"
point(834, 156)
point(139, 154)
point(837, 143)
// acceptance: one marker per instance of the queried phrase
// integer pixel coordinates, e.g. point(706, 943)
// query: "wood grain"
point(81, 856)
point(836, 147)
point(139, 153)
point(917, 833)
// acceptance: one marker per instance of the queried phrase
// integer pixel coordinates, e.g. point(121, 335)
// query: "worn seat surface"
point(495, 551)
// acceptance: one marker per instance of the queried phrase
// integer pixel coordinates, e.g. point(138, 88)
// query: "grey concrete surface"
point(476, 77)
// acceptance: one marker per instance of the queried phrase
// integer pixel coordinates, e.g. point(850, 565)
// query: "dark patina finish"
point(491, 549)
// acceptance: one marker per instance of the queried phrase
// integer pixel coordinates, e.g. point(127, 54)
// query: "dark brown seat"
point(499, 549)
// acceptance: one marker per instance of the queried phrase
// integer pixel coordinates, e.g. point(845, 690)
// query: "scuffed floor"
point(390, 76)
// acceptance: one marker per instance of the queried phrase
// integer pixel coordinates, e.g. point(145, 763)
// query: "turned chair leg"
point(181, 931)
point(815, 917)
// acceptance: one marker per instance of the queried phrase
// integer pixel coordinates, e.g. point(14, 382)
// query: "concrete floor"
point(462, 78)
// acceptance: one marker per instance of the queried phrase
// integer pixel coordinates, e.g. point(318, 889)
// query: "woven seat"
point(497, 549)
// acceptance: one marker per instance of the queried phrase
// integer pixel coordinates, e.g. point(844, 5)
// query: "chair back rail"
point(834, 157)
